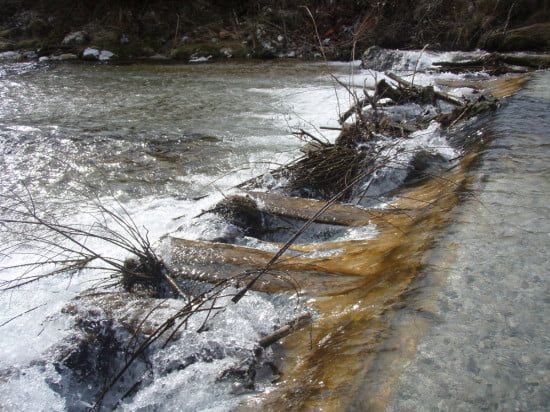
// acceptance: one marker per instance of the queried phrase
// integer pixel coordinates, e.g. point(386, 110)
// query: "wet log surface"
point(427, 90)
point(300, 208)
point(214, 262)
point(499, 87)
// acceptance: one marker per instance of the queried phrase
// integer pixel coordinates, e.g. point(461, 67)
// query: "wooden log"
point(214, 262)
point(300, 208)
point(384, 90)
point(293, 325)
point(533, 61)
point(499, 63)
point(356, 108)
point(461, 66)
point(500, 87)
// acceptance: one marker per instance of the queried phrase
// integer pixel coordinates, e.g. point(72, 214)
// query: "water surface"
point(488, 340)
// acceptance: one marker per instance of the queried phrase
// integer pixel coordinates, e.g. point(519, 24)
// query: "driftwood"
point(300, 208)
point(499, 87)
point(533, 61)
point(438, 95)
point(293, 325)
point(217, 262)
point(473, 108)
point(497, 63)
point(356, 108)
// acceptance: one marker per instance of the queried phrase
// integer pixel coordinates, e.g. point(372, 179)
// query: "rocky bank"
point(200, 30)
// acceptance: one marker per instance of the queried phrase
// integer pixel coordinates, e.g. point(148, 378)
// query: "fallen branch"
point(302, 132)
point(497, 63)
point(302, 229)
point(293, 325)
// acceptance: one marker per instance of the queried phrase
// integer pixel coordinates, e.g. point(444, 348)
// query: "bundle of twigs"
point(64, 248)
point(324, 172)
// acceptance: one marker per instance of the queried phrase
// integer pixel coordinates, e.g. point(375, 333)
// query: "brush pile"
point(327, 170)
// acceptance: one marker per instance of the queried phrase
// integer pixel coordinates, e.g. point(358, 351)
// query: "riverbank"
point(202, 31)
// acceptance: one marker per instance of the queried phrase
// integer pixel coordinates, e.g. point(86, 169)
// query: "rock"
point(423, 165)
point(107, 55)
point(158, 57)
point(90, 54)
point(200, 59)
point(241, 211)
point(377, 58)
point(43, 59)
point(10, 55)
point(227, 52)
point(380, 59)
point(76, 38)
point(30, 55)
point(67, 56)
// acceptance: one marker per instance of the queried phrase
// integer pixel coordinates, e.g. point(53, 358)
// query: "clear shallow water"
point(487, 347)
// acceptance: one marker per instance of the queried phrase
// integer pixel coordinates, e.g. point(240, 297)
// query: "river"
point(487, 347)
point(167, 141)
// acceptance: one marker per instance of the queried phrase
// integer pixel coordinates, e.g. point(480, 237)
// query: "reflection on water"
point(487, 347)
point(143, 130)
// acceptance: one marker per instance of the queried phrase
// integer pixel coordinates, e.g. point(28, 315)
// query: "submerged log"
point(216, 262)
point(300, 208)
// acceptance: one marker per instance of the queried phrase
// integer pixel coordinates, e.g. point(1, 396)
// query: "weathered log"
point(498, 63)
point(461, 66)
point(300, 208)
point(297, 323)
point(500, 87)
point(215, 262)
point(534, 61)
point(494, 66)
point(385, 90)
point(356, 108)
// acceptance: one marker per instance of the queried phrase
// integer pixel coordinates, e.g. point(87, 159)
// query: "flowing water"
point(487, 348)
point(166, 142)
